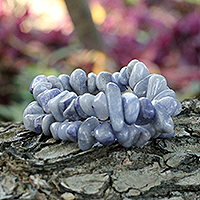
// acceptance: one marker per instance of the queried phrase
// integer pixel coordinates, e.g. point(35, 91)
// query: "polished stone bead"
point(172, 106)
point(140, 89)
point(47, 96)
point(91, 83)
point(33, 108)
point(72, 130)
point(28, 121)
point(36, 80)
point(64, 79)
point(144, 137)
point(130, 67)
point(104, 133)
point(149, 128)
point(157, 83)
point(100, 106)
point(46, 122)
point(54, 129)
point(85, 138)
point(131, 107)
point(102, 79)
point(41, 87)
point(139, 72)
point(86, 101)
point(53, 105)
point(123, 78)
point(115, 106)
point(122, 136)
point(70, 112)
point(66, 100)
point(62, 131)
point(166, 135)
point(56, 83)
point(78, 80)
point(38, 123)
point(115, 79)
point(146, 113)
point(165, 93)
point(78, 108)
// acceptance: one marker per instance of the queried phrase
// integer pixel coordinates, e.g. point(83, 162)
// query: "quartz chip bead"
point(115, 79)
point(79, 109)
point(130, 67)
point(36, 80)
point(139, 72)
point(72, 130)
point(91, 83)
point(123, 77)
point(54, 129)
point(104, 134)
point(28, 121)
point(38, 123)
point(64, 79)
point(165, 93)
point(33, 108)
point(144, 137)
point(166, 135)
point(41, 87)
point(78, 80)
point(102, 79)
point(115, 106)
point(46, 122)
point(62, 131)
point(56, 83)
point(85, 137)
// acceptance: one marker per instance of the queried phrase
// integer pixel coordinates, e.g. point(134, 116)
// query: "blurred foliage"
point(164, 34)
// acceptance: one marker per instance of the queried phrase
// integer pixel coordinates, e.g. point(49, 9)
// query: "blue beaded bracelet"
point(94, 108)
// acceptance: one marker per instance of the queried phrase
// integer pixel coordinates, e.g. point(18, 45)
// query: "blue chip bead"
point(46, 122)
point(166, 135)
point(91, 83)
point(123, 135)
point(130, 67)
point(56, 83)
point(144, 137)
point(115, 106)
point(41, 87)
point(36, 80)
point(123, 78)
point(85, 137)
point(78, 108)
point(33, 108)
point(115, 79)
point(78, 80)
point(38, 123)
point(64, 79)
point(165, 93)
point(151, 129)
point(102, 79)
point(28, 121)
point(131, 107)
point(72, 130)
point(146, 113)
point(104, 134)
point(62, 131)
point(54, 129)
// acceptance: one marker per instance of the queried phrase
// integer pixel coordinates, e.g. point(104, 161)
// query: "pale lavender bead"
point(102, 79)
point(122, 136)
point(36, 80)
point(86, 101)
point(100, 106)
point(157, 83)
point(140, 89)
point(70, 112)
point(78, 108)
point(56, 83)
point(62, 131)
point(143, 138)
point(85, 138)
point(123, 78)
point(130, 67)
point(53, 105)
point(54, 129)
point(91, 83)
point(104, 133)
point(64, 79)
point(131, 107)
point(115, 79)
point(28, 121)
point(115, 106)
point(33, 108)
point(78, 80)
point(46, 122)
point(72, 130)
point(38, 123)
point(46, 97)
point(41, 87)
point(139, 72)
point(165, 93)
point(166, 135)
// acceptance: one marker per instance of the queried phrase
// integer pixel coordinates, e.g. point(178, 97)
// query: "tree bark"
point(36, 167)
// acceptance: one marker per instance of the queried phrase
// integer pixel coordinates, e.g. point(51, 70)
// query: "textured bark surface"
point(33, 166)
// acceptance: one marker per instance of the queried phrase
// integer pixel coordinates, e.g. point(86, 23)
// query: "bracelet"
point(96, 108)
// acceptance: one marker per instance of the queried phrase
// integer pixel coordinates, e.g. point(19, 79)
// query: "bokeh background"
point(54, 37)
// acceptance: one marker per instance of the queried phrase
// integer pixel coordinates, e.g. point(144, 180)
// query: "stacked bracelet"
point(90, 109)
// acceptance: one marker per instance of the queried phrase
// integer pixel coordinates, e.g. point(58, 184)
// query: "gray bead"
point(36, 80)
point(115, 79)
point(47, 121)
point(86, 101)
point(123, 135)
point(130, 66)
point(53, 105)
point(157, 83)
point(72, 130)
point(70, 112)
point(91, 83)
point(144, 137)
point(102, 79)
point(115, 106)
point(56, 83)
point(100, 106)
point(139, 72)
point(78, 81)
point(54, 129)
point(85, 138)
point(165, 93)
point(140, 89)
point(123, 78)
point(78, 108)
point(64, 79)
point(62, 131)
point(33, 108)
point(131, 107)
point(41, 87)
point(28, 121)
